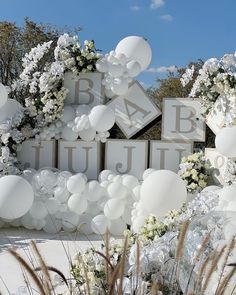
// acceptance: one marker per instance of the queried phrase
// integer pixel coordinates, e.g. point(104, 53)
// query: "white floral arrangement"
point(216, 79)
point(194, 170)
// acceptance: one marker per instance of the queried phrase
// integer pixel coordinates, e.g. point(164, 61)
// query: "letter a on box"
point(182, 120)
point(134, 110)
point(86, 88)
point(79, 156)
point(37, 154)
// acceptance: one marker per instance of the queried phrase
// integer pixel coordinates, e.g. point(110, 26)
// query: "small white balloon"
point(53, 225)
point(116, 70)
point(102, 118)
point(68, 114)
point(26, 221)
point(68, 134)
point(117, 227)
point(147, 172)
point(138, 223)
point(130, 181)
point(38, 210)
point(114, 208)
point(94, 191)
point(102, 66)
point(133, 68)
point(84, 226)
point(136, 192)
point(109, 93)
point(225, 141)
point(104, 175)
point(83, 109)
point(70, 221)
point(93, 208)
point(77, 203)
point(117, 190)
point(87, 134)
point(3, 95)
point(163, 191)
point(100, 224)
point(76, 184)
point(16, 197)
point(120, 86)
point(52, 205)
point(61, 194)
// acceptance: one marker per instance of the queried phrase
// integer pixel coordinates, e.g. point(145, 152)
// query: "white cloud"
point(166, 17)
point(156, 4)
point(135, 8)
point(162, 69)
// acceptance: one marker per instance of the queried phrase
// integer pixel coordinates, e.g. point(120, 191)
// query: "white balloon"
point(136, 192)
point(137, 49)
point(84, 226)
point(116, 70)
point(100, 224)
point(133, 68)
point(16, 197)
point(76, 184)
point(83, 109)
point(94, 191)
point(228, 193)
point(121, 58)
point(138, 223)
point(117, 190)
point(117, 178)
point(114, 208)
point(130, 181)
point(68, 134)
point(77, 203)
point(102, 118)
point(147, 172)
point(52, 205)
point(117, 227)
point(87, 134)
point(38, 210)
point(225, 141)
point(162, 191)
point(3, 95)
point(102, 66)
point(68, 114)
point(93, 208)
point(9, 109)
point(120, 86)
point(26, 221)
point(109, 93)
point(61, 194)
point(47, 178)
point(53, 225)
point(104, 175)
point(70, 221)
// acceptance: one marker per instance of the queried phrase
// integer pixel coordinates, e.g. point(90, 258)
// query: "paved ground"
point(56, 249)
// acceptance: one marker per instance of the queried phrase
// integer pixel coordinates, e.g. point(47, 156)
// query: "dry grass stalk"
point(228, 253)
point(180, 245)
point(212, 269)
point(197, 283)
point(122, 267)
point(114, 276)
point(154, 288)
point(137, 264)
point(107, 255)
point(29, 270)
point(225, 282)
point(86, 277)
point(44, 268)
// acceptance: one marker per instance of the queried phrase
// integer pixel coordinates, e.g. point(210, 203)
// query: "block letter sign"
point(79, 156)
point(84, 89)
point(134, 110)
point(216, 118)
point(182, 120)
point(218, 162)
point(36, 154)
point(126, 156)
point(167, 155)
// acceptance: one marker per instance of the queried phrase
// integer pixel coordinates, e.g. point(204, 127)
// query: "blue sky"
point(178, 31)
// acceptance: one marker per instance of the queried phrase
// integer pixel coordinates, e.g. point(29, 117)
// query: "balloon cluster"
point(52, 200)
point(81, 121)
point(131, 56)
point(160, 192)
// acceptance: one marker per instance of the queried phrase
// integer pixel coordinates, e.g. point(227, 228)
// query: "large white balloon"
point(137, 49)
point(16, 197)
point(76, 183)
point(68, 134)
point(9, 109)
point(87, 134)
point(3, 95)
point(102, 118)
point(114, 208)
point(225, 141)
point(100, 224)
point(162, 191)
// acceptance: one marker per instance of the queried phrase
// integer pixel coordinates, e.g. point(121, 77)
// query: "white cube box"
point(80, 156)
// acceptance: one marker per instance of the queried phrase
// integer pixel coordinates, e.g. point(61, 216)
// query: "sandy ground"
point(56, 249)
